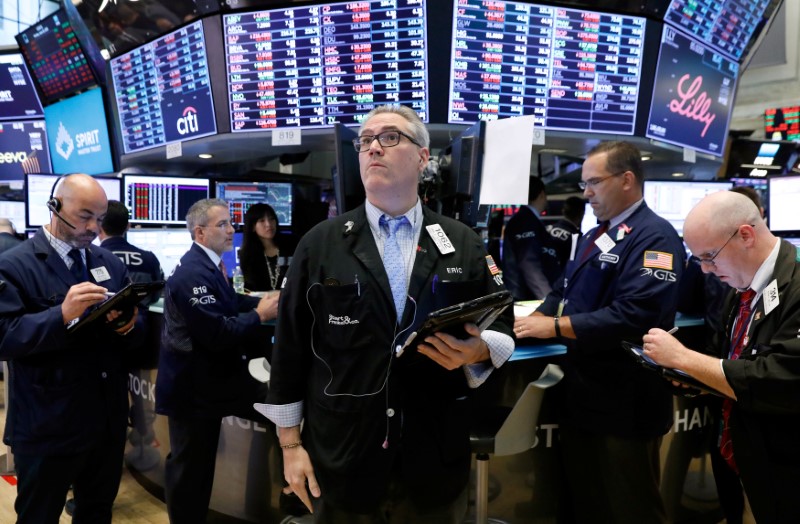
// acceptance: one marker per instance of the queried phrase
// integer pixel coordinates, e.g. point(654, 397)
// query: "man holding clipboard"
point(385, 438)
point(68, 402)
point(755, 360)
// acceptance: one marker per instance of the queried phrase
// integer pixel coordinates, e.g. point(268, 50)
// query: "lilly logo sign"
point(691, 107)
point(188, 123)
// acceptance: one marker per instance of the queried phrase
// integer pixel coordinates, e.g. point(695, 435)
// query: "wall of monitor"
point(223, 81)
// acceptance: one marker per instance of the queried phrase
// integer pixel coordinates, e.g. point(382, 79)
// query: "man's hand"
point(79, 298)
point(451, 352)
point(267, 307)
point(297, 468)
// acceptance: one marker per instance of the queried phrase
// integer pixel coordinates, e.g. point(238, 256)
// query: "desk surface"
point(529, 351)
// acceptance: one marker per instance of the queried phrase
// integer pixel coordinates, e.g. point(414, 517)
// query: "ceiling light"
point(677, 174)
point(205, 155)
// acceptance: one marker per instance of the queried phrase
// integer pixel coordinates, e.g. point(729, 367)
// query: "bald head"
point(83, 205)
point(726, 232)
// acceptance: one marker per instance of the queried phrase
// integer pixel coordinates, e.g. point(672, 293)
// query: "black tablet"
point(669, 373)
point(123, 299)
point(481, 311)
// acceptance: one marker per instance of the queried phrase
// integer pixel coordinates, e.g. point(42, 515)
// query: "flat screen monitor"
point(23, 149)
point(231, 258)
point(168, 245)
point(161, 200)
point(692, 95)
point(57, 61)
point(673, 199)
point(316, 66)
point(39, 187)
point(782, 123)
point(241, 195)
point(15, 212)
point(18, 97)
point(79, 141)
point(572, 69)
point(725, 25)
point(758, 158)
point(784, 194)
point(163, 92)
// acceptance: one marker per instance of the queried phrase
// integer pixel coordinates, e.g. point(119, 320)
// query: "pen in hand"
point(673, 330)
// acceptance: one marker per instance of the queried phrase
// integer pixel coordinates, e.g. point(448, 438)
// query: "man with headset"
point(67, 412)
point(385, 438)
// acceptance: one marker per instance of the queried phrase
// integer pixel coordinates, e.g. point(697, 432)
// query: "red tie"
point(738, 342)
point(590, 244)
point(224, 271)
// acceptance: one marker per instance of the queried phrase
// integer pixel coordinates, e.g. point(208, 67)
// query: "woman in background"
point(260, 256)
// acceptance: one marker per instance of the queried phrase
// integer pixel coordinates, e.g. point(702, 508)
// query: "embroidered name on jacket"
point(341, 321)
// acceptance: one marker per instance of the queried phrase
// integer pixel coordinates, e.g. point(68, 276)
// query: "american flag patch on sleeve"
point(492, 266)
point(658, 259)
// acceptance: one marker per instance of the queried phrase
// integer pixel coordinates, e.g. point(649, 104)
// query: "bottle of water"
point(238, 280)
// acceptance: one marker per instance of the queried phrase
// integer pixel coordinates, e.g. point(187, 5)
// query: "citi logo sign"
point(187, 124)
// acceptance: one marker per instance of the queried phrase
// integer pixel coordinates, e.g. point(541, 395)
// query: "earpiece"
point(54, 203)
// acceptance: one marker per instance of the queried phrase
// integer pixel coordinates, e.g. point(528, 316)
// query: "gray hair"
point(417, 127)
point(198, 213)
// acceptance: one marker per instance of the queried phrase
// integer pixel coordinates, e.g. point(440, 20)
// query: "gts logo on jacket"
point(204, 300)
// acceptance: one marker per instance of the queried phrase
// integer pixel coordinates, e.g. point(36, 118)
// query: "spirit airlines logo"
point(695, 108)
point(188, 123)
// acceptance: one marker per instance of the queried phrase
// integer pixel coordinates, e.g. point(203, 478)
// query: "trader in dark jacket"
point(530, 260)
point(754, 358)
point(8, 237)
point(564, 229)
point(612, 412)
point(385, 438)
point(68, 400)
point(210, 334)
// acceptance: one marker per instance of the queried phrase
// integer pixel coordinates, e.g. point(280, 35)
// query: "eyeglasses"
point(709, 261)
point(385, 139)
point(224, 224)
point(592, 182)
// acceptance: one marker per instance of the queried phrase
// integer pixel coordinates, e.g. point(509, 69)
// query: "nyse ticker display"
point(55, 57)
point(163, 91)
point(572, 69)
point(18, 98)
point(325, 64)
point(162, 200)
point(726, 25)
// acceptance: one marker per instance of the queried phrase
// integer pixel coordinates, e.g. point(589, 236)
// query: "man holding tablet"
point(385, 439)
point(754, 360)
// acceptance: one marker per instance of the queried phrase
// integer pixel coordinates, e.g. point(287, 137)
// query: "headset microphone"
point(54, 203)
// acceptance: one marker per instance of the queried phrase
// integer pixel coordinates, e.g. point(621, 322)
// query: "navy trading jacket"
point(68, 391)
point(366, 410)
point(530, 261)
point(210, 333)
point(610, 297)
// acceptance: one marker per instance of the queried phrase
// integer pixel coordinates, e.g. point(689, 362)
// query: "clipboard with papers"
point(481, 311)
point(674, 374)
point(123, 299)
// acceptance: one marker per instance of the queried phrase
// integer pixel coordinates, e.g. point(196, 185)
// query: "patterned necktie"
point(590, 244)
point(394, 262)
point(738, 342)
point(78, 269)
point(224, 270)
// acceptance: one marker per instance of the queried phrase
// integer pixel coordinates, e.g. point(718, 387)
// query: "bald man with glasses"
point(754, 359)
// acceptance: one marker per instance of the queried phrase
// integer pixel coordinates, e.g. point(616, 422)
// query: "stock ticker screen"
point(726, 25)
point(241, 195)
point(571, 69)
point(325, 64)
point(163, 92)
point(54, 54)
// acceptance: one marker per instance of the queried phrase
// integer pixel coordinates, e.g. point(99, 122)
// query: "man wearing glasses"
point(210, 334)
point(384, 437)
point(756, 354)
point(622, 279)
